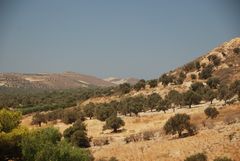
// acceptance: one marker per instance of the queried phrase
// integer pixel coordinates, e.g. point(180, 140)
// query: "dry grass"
point(214, 141)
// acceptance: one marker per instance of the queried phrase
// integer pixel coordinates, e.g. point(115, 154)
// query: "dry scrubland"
point(219, 137)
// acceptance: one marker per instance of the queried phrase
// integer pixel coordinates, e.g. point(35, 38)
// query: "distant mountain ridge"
point(63, 80)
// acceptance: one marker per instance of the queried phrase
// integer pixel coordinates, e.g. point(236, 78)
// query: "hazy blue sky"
point(112, 37)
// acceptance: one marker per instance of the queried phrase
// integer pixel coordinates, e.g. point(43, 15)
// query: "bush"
point(9, 120)
point(211, 112)
point(125, 88)
point(193, 76)
point(177, 124)
point(153, 83)
point(77, 134)
point(214, 59)
point(100, 141)
point(196, 87)
point(10, 148)
point(236, 50)
point(213, 82)
point(114, 123)
point(133, 138)
point(223, 159)
point(36, 143)
point(148, 135)
point(197, 65)
point(189, 67)
point(166, 79)
point(140, 85)
point(206, 72)
point(197, 157)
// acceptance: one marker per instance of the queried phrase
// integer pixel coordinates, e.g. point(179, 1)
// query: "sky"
point(124, 38)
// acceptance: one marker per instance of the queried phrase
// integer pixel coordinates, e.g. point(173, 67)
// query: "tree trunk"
point(179, 134)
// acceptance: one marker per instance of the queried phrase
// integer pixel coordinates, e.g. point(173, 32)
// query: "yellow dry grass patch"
point(214, 141)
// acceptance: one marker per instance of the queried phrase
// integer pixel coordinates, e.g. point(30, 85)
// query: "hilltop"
point(63, 80)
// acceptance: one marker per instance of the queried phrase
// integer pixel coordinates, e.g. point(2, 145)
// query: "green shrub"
point(193, 76)
point(197, 157)
point(125, 88)
point(37, 141)
point(236, 50)
point(9, 120)
point(189, 67)
point(211, 112)
point(77, 135)
point(45, 144)
point(153, 83)
point(140, 85)
point(206, 72)
point(166, 79)
point(213, 82)
point(196, 87)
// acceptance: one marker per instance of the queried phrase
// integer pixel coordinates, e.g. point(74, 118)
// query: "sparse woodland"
point(206, 90)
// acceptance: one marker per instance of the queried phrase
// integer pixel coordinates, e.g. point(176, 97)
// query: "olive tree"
point(38, 119)
point(153, 100)
point(140, 85)
point(89, 110)
point(190, 97)
point(179, 123)
point(114, 123)
point(213, 82)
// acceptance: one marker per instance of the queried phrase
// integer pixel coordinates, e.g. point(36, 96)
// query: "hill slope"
point(51, 81)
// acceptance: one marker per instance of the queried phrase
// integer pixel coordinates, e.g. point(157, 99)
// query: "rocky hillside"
point(224, 60)
point(51, 81)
